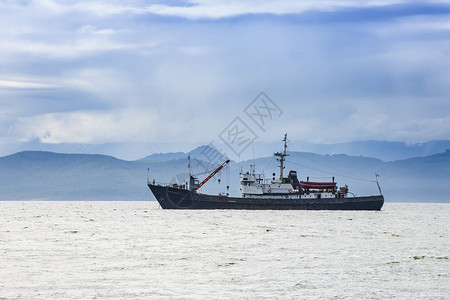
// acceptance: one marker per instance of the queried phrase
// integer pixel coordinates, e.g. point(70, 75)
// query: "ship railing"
point(160, 183)
point(152, 181)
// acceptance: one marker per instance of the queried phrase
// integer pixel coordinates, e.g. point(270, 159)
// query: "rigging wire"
point(269, 164)
point(227, 170)
point(214, 166)
point(345, 176)
point(254, 163)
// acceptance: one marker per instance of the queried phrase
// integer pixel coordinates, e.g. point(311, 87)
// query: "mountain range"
point(40, 175)
point(384, 150)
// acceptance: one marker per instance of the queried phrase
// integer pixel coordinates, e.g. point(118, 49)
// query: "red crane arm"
point(211, 175)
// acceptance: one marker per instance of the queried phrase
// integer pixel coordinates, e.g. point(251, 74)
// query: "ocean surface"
point(135, 250)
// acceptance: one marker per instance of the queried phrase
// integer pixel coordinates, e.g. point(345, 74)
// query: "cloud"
point(91, 127)
point(112, 71)
point(23, 84)
point(201, 9)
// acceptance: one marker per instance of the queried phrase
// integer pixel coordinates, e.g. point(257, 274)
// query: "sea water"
point(135, 250)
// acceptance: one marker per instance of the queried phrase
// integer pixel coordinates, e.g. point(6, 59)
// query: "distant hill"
point(164, 156)
point(54, 176)
point(384, 150)
point(202, 152)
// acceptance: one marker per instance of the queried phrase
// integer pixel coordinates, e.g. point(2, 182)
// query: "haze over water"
point(135, 250)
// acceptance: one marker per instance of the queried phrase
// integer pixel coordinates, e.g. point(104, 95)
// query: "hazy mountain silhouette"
point(384, 150)
point(53, 176)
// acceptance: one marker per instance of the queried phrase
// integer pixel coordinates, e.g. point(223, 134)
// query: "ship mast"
point(282, 157)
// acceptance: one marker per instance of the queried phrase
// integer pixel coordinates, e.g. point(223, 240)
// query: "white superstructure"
point(255, 185)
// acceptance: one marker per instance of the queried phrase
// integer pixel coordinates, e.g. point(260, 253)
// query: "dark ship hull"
point(176, 198)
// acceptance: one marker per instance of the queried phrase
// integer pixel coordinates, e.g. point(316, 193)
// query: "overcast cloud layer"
point(174, 74)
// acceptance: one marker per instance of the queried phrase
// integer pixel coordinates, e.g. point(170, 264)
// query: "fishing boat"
point(258, 193)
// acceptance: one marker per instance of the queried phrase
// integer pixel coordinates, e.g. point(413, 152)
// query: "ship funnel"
point(292, 179)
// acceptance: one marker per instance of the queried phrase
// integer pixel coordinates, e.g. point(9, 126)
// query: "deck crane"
point(211, 175)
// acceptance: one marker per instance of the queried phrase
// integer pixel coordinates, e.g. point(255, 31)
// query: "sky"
point(132, 78)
